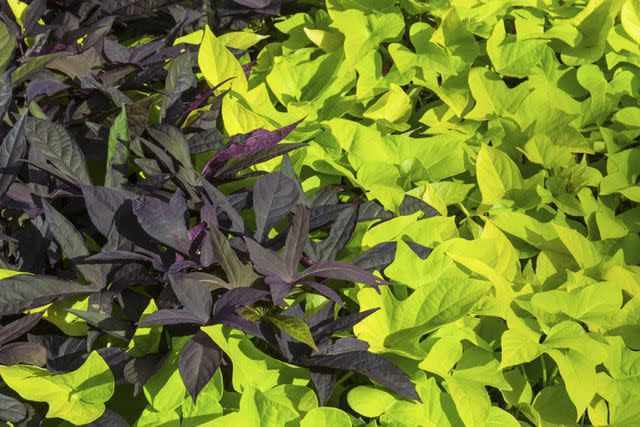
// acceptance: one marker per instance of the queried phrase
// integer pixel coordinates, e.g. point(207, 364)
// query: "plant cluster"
point(341, 213)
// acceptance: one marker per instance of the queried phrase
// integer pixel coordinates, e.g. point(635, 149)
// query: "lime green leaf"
point(511, 56)
point(497, 174)
point(326, 416)
point(218, 64)
point(252, 367)
point(146, 338)
point(78, 396)
point(370, 401)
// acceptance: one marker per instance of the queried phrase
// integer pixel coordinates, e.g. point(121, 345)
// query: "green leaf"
point(329, 41)
point(118, 152)
point(398, 325)
point(207, 407)
point(326, 416)
point(78, 396)
point(146, 338)
point(511, 56)
point(393, 107)
point(165, 390)
point(364, 31)
point(497, 174)
point(218, 64)
point(630, 19)
point(252, 367)
point(370, 401)
point(257, 409)
point(293, 326)
point(594, 23)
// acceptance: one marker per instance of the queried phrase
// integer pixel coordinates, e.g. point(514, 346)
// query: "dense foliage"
point(340, 213)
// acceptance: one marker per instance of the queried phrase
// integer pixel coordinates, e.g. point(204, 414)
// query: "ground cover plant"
point(340, 213)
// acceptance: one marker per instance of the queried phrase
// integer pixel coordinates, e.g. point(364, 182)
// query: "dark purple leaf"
point(324, 291)
point(339, 235)
point(139, 370)
point(258, 140)
point(23, 353)
point(19, 327)
point(238, 297)
point(236, 165)
point(25, 291)
point(11, 409)
point(412, 204)
point(56, 145)
point(221, 202)
point(330, 327)
point(274, 195)
point(197, 363)
point(46, 87)
point(73, 244)
point(296, 240)
point(267, 262)
point(170, 316)
point(194, 296)
point(378, 257)
point(341, 271)
point(111, 325)
point(12, 149)
point(280, 289)
point(102, 203)
point(372, 366)
point(420, 250)
point(323, 381)
point(162, 222)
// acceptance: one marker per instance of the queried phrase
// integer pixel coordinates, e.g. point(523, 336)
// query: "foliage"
point(356, 213)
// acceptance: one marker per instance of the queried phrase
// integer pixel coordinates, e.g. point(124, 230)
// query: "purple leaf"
point(19, 327)
point(163, 222)
point(323, 381)
point(412, 204)
point(46, 87)
point(274, 195)
point(236, 165)
point(170, 316)
point(330, 327)
point(25, 291)
point(197, 363)
point(238, 297)
point(341, 271)
point(339, 236)
point(102, 203)
point(370, 365)
point(24, 353)
point(378, 257)
point(324, 291)
point(280, 289)
point(267, 262)
point(296, 240)
point(194, 296)
point(257, 140)
point(12, 149)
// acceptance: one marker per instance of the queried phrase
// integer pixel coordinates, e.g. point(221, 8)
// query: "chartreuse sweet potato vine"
point(341, 213)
